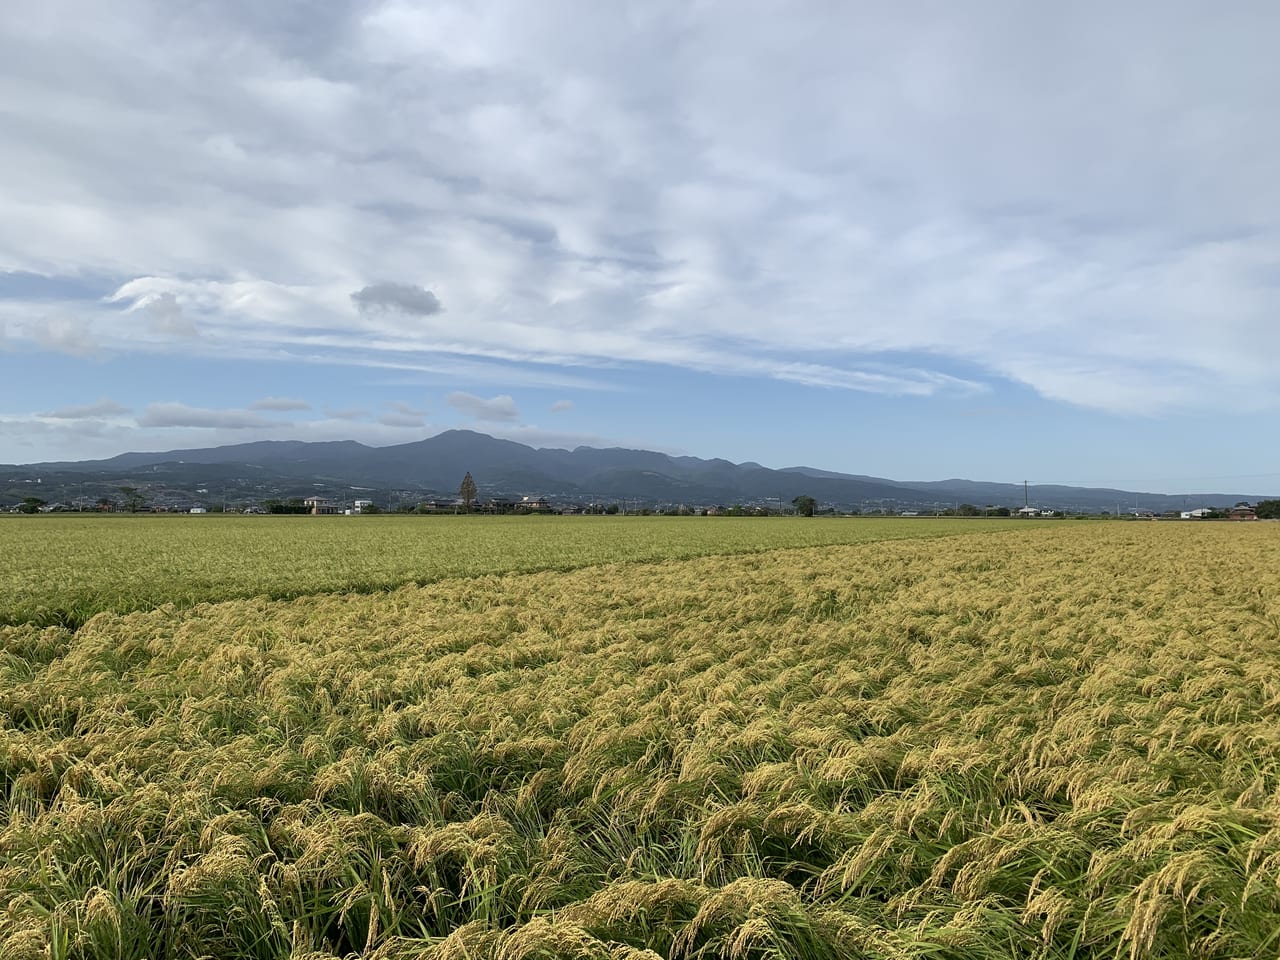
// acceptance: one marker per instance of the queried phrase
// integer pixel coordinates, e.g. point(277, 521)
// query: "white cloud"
point(181, 415)
point(866, 199)
point(165, 316)
point(560, 406)
point(282, 404)
point(103, 408)
point(66, 333)
point(501, 408)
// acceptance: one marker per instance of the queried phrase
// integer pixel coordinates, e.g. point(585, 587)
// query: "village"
point(166, 501)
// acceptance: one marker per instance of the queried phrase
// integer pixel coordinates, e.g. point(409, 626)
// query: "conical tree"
point(467, 492)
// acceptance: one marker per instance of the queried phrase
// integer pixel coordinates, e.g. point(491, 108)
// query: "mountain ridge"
point(584, 473)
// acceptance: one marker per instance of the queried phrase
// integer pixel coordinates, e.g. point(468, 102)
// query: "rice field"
point(1057, 742)
point(62, 569)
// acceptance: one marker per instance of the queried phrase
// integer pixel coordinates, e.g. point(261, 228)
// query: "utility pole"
point(1026, 502)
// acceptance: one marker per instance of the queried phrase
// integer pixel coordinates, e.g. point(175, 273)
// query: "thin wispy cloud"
point(401, 414)
point(408, 409)
point(103, 408)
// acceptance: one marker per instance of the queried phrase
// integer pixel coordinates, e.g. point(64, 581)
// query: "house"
point(1198, 514)
point(1242, 511)
point(360, 505)
point(320, 506)
point(198, 510)
point(438, 506)
point(1027, 512)
point(533, 505)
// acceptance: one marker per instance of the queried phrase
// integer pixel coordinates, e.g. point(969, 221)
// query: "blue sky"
point(1005, 241)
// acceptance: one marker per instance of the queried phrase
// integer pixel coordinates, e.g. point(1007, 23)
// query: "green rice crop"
point(64, 569)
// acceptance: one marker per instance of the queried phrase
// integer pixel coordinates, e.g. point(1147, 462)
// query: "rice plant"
point(1057, 743)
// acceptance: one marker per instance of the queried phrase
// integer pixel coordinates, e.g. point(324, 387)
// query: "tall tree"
point(804, 505)
point(133, 499)
point(467, 492)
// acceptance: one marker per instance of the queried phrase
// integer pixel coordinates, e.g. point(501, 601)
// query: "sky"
point(993, 240)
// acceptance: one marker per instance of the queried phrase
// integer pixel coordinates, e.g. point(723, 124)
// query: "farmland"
point(1052, 741)
point(64, 569)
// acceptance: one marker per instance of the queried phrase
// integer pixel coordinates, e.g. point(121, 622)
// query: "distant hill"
point(504, 467)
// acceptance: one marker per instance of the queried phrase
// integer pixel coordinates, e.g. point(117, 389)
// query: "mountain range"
point(506, 468)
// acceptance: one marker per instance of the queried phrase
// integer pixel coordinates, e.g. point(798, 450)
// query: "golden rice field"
point(1058, 741)
point(62, 569)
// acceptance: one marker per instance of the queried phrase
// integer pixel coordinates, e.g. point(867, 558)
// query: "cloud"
point(401, 420)
point(63, 439)
point(399, 406)
point(103, 408)
point(499, 409)
point(165, 316)
point(536, 436)
point(181, 415)
point(65, 334)
point(403, 415)
point(402, 297)
point(560, 406)
point(280, 404)
point(917, 207)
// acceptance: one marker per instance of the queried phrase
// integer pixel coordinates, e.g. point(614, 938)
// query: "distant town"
point(33, 495)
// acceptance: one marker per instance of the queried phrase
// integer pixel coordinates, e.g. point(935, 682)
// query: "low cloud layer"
point(401, 297)
point(280, 404)
point(401, 420)
point(103, 408)
point(499, 409)
point(560, 406)
point(181, 415)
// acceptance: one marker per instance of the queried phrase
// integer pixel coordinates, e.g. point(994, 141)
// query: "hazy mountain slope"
point(505, 467)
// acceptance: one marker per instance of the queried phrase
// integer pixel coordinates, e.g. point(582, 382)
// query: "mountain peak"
point(438, 463)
